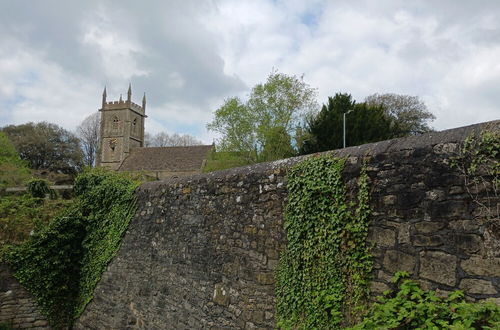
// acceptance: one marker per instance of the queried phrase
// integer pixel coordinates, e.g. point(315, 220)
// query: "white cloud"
point(39, 90)
point(188, 56)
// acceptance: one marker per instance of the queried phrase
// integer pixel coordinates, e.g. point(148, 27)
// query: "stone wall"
point(18, 308)
point(202, 250)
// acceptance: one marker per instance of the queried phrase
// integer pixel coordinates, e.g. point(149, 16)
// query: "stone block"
point(438, 266)
point(481, 266)
point(427, 227)
point(386, 277)
point(250, 230)
point(427, 240)
point(382, 237)
point(443, 294)
point(491, 238)
point(378, 287)
point(389, 200)
point(464, 225)
point(398, 261)
point(265, 278)
point(455, 190)
point(476, 286)
point(425, 285)
point(448, 209)
point(494, 300)
point(445, 148)
point(468, 243)
point(404, 233)
point(434, 195)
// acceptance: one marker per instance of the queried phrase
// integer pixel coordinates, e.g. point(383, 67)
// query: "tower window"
point(115, 122)
point(134, 125)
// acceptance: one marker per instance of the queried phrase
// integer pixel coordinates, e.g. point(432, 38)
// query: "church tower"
point(122, 128)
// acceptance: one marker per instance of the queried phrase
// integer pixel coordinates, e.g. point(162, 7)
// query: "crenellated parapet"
point(123, 104)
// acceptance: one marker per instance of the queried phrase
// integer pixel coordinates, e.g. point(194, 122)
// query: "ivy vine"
point(323, 276)
point(410, 307)
point(61, 264)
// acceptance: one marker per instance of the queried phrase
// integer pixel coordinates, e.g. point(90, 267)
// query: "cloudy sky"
point(56, 56)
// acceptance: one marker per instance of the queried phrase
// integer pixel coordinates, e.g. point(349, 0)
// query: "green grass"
point(218, 161)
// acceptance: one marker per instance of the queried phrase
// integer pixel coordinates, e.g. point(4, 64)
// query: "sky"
point(188, 56)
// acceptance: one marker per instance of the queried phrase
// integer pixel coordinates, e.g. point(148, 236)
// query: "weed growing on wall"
point(61, 264)
point(323, 276)
point(413, 308)
point(478, 164)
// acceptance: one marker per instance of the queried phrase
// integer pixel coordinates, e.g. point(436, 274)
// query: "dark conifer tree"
point(364, 124)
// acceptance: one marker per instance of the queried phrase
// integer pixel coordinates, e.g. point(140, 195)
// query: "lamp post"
point(345, 113)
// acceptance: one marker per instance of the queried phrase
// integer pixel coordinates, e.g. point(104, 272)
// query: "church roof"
point(174, 159)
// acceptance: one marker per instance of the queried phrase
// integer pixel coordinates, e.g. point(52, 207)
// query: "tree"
point(89, 134)
point(236, 124)
point(46, 146)
point(409, 115)
point(175, 140)
point(324, 131)
point(264, 127)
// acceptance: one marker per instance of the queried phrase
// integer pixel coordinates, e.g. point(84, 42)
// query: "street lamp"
point(345, 113)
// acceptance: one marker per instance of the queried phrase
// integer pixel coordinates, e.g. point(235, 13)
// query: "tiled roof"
point(175, 159)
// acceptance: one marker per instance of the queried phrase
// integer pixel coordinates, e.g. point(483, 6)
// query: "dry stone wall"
point(18, 308)
point(201, 251)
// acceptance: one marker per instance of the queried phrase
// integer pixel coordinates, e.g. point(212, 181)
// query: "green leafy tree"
point(46, 146)
point(235, 122)
point(264, 127)
point(364, 123)
point(408, 114)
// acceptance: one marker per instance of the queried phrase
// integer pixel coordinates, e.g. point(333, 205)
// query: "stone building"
point(122, 144)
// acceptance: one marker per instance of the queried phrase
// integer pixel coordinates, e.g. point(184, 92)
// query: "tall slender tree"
point(89, 134)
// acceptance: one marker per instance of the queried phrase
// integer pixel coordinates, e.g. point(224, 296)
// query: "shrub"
point(62, 263)
point(39, 188)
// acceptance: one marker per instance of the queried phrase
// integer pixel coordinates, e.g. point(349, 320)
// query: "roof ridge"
point(174, 159)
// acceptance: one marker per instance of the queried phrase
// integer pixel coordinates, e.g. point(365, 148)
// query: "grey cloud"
point(172, 38)
point(189, 55)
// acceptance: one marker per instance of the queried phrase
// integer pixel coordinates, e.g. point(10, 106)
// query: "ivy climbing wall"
point(202, 251)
